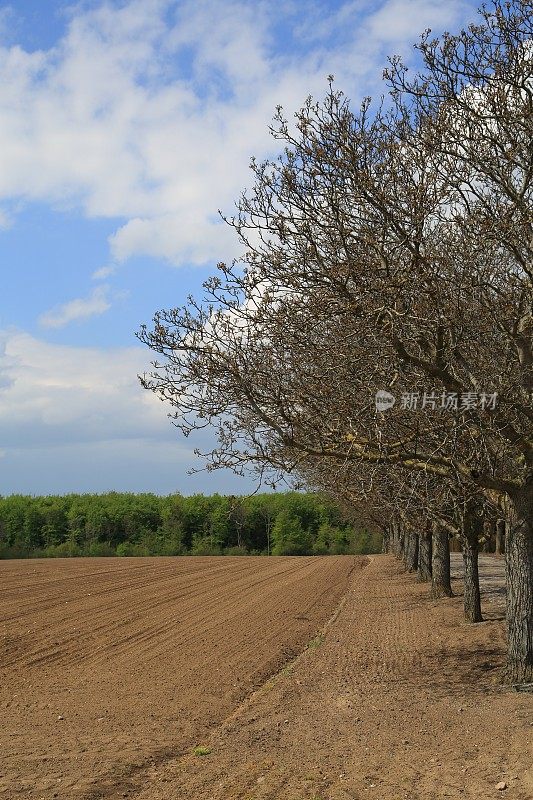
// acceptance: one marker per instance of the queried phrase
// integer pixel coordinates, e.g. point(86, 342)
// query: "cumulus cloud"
point(396, 20)
point(192, 240)
point(77, 419)
point(55, 394)
point(149, 110)
point(81, 308)
point(146, 112)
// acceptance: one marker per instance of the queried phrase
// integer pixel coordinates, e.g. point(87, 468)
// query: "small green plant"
point(316, 642)
point(202, 751)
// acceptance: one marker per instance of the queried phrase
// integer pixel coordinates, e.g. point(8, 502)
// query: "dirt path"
point(400, 701)
point(108, 666)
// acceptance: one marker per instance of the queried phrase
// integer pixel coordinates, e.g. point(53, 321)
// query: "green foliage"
point(323, 539)
point(367, 543)
point(66, 549)
point(236, 551)
point(201, 750)
point(145, 524)
point(289, 537)
point(100, 549)
point(131, 549)
point(205, 546)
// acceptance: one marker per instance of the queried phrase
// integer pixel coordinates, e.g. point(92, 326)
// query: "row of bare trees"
point(387, 250)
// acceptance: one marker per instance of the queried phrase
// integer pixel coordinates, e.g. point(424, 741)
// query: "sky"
point(125, 126)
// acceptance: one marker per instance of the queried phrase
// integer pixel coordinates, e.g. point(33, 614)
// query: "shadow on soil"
point(467, 670)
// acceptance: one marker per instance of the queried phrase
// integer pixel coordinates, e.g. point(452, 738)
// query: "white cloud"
point(77, 419)
point(104, 272)
point(81, 308)
point(54, 394)
point(401, 20)
point(192, 240)
point(149, 110)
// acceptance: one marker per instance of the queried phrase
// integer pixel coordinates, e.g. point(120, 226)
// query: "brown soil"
point(397, 700)
point(110, 665)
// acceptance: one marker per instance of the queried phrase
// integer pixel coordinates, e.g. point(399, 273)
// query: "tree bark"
point(440, 563)
point(405, 545)
point(473, 528)
point(519, 574)
point(386, 540)
point(411, 551)
point(500, 536)
point(488, 529)
point(395, 538)
point(472, 597)
point(424, 557)
point(401, 540)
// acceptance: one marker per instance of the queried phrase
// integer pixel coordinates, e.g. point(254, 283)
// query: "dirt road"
point(109, 666)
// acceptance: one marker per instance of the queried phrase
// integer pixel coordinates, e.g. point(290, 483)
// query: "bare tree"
point(388, 249)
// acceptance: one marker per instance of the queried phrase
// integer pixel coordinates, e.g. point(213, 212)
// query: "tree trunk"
point(472, 597)
point(500, 536)
point(488, 529)
point(395, 531)
point(401, 540)
point(519, 574)
point(386, 540)
point(440, 563)
point(424, 557)
point(411, 551)
point(472, 529)
point(406, 540)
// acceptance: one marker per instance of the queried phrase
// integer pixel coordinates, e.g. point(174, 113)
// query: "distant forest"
point(117, 524)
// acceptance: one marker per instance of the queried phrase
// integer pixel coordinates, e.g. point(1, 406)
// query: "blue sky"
point(124, 126)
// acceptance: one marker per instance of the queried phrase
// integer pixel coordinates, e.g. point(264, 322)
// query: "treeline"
point(117, 524)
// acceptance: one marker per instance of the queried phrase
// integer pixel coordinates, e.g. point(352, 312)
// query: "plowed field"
point(110, 667)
